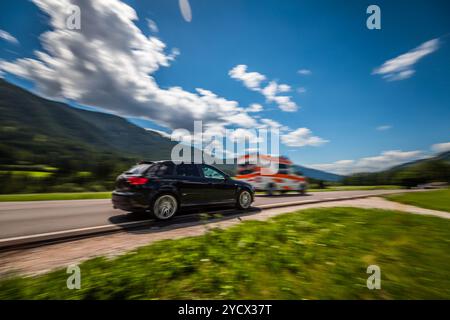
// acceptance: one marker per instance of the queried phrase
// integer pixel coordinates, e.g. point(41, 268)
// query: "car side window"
point(187, 170)
point(211, 173)
point(161, 169)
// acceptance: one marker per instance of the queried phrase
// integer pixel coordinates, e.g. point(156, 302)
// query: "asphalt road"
point(36, 217)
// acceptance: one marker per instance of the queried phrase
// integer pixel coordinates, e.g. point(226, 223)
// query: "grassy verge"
point(55, 196)
point(313, 254)
point(350, 188)
point(436, 200)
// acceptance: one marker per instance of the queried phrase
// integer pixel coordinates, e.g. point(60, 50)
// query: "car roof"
point(176, 162)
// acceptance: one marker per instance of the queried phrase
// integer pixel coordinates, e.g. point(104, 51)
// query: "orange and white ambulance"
point(286, 177)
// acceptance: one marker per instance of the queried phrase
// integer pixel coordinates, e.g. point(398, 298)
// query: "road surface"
point(37, 217)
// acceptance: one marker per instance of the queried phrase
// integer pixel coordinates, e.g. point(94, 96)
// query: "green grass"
point(55, 196)
point(436, 200)
point(313, 254)
point(32, 174)
point(349, 188)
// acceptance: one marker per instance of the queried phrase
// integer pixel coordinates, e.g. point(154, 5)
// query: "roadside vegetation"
point(312, 254)
point(55, 196)
point(436, 200)
point(350, 188)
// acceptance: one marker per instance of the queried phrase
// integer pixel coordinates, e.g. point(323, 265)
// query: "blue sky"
point(353, 119)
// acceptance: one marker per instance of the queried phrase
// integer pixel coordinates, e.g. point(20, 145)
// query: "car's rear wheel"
point(244, 200)
point(164, 207)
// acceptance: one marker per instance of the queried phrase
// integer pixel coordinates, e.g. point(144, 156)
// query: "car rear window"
point(138, 169)
point(187, 170)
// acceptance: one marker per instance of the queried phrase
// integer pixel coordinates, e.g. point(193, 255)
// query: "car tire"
point(164, 207)
point(244, 200)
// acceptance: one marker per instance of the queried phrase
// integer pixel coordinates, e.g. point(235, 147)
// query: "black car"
point(163, 187)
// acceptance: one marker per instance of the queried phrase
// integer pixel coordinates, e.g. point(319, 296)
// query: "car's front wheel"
point(244, 200)
point(164, 207)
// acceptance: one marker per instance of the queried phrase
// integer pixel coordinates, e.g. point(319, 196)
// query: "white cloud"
point(304, 72)
point(185, 9)
point(272, 124)
point(402, 67)
point(384, 127)
point(441, 147)
point(152, 26)
point(302, 137)
point(8, 37)
point(251, 80)
point(254, 107)
point(271, 92)
point(109, 64)
point(383, 161)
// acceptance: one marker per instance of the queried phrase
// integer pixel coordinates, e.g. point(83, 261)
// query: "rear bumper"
point(130, 201)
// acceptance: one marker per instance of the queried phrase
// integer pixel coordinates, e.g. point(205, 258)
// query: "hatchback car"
point(163, 187)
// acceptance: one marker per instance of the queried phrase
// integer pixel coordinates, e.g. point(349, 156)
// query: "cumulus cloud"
point(301, 90)
point(304, 72)
point(302, 137)
point(402, 67)
point(383, 161)
point(8, 37)
point(110, 63)
point(254, 107)
point(441, 147)
point(152, 26)
point(251, 80)
point(272, 91)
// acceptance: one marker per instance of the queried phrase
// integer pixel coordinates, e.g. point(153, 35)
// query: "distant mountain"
point(445, 156)
point(433, 169)
point(39, 130)
point(319, 174)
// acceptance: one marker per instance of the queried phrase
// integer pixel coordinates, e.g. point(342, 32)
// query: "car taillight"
point(137, 181)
